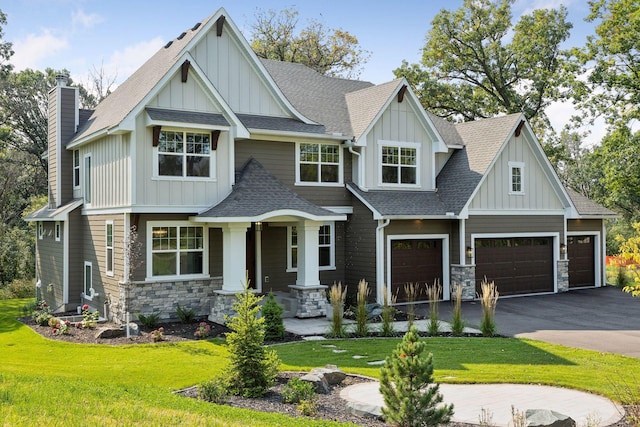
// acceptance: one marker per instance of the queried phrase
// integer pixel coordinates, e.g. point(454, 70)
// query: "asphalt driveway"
point(602, 319)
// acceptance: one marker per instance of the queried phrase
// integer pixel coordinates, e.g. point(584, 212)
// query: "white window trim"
point(40, 230)
point(84, 283)
point(512, 166)
point(212, 159)
point(205, 251)
point(107, 247)
point(332, 249)
point(399, 144)
point(76, 185)
point(57, 231)
point(86, 179)
point(320, 184)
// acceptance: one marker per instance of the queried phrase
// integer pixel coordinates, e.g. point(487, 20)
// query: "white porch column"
point(308, 259)
point(234, 256)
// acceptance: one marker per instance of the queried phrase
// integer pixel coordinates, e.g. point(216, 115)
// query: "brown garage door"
point(415, 261)
point(580, 250)
point(520, 265)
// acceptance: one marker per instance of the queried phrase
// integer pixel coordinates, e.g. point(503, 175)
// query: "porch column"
point(308, 258)
point(234, 256)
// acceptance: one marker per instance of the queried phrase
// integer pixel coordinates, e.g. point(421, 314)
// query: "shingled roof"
point(258, 195)
point(587, 207)
point(401, 204)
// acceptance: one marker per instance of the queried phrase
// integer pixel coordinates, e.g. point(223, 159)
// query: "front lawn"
point(44, 382)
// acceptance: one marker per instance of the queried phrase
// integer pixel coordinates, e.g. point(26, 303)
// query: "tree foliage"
point(411, 396)
point(630, 251)
point(331, 52)
point(470, 69)
point(6, 48)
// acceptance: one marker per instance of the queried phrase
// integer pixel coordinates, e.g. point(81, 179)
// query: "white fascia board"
point(516, 212)
point(269, 134)
point(266, 216)
point(86, 139)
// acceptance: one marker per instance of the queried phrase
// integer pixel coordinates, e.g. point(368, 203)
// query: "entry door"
point(581, 254)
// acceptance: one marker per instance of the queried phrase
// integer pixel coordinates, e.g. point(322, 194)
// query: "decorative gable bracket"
point(185, 70)
point(220, 25)
point(401, 93)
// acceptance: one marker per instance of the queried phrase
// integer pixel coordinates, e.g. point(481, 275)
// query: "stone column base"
point(465, 276)
point(312, 301)
point(221, 306)
point(563, 275)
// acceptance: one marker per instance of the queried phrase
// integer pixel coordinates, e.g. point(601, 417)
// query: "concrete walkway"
point(496, 400)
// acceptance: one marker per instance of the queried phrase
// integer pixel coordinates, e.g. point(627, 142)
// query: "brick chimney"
point(63, 124)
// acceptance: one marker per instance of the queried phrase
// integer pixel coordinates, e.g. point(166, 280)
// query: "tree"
point(331, 52)
point(6, 48)
point(410, 395)
point(630, 251)
point(611, 60)
point(470, 71)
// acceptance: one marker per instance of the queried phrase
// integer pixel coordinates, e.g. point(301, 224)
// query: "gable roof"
point(587, 207)
point(258, 195)
point(365, 104)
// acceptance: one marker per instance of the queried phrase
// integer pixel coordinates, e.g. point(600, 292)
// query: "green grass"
point(44, 382)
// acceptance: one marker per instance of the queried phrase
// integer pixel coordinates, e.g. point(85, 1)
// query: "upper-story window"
point(76, 168)
point(184, 154)
point(318, 163)
point(399, 164)
point(516, 178)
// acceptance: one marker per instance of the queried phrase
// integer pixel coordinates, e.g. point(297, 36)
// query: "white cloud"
point(31, 51)
point(81, 19)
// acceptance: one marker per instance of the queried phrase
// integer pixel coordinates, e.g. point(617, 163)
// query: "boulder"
point(373, 310)
point(134, 329)
point(107, 332)
point(331, 373)
point(548, 418)
point(364, 409)
point(319, 382)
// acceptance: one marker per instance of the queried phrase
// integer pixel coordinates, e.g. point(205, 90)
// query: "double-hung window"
point(326, 248)
point(318, 163)
point(109, 248)
point(399, 164)
point(76, 168)
point(184, 154)
point(516, 178)
point(177, 250)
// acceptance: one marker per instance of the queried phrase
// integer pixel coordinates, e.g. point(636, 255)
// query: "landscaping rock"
point(331, 373)
point(319, 382)
point(364, 410)
point(134, 329)
point(109, 333)
point(373, 310)
point(548, 418)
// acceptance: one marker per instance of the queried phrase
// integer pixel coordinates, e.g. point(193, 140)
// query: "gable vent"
point(195, 27)
point(182, 35)
point(166, 46)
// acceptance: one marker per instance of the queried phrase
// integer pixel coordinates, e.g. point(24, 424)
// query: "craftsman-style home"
point(209, 164)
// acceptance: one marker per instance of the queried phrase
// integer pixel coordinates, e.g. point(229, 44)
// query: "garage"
point(581, 253)
point(415, 261)
point(518, 265)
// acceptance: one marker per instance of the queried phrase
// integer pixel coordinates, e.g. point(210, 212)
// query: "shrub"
point(273, 322)
point(412, 290)
point(457, 324)
point(308, 408)
point(90, 318)
point(433, 294)
point(411, 396)
point(362, 325)
point(61, 327)
point(157, 335)
point(41, 313)
point(253, 368)
point(297, 390)
point(489, 299)
point(388, 315)
point(202, 331)
point(215, 390)
point(149, 321)
point(336, 298)
point(186, 315)
point(19, 288)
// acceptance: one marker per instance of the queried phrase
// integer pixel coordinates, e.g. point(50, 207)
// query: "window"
point(398, 164)
point(177, 250)
point(87, 178)
point(516, 178)
point(76, 168)
point(57, 231)
point(318, 163)
point(88, 280)
point(184, 154)
point(40, 230)
point(109, 248)
point(326, 248)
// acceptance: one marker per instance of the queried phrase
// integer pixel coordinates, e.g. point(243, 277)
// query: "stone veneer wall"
point(312, 300)
point(464, 275)
point(563, 275)
point(164, 297)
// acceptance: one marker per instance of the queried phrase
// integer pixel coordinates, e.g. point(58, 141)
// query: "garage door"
point(415, 261)
point(580, 250)
point(516, 265)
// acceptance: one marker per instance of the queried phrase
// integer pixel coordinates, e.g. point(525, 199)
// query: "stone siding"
point(164, 297)
point(222, 306)
point(563, 275)
point(464, 275)
point(312, 301)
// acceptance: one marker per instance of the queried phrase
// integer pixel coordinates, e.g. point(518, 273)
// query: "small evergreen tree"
point(273, 322)
point(253, 367)
point(406, 383)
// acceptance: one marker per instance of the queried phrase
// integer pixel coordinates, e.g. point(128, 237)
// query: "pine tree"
point(273, 322)
point(406, 383)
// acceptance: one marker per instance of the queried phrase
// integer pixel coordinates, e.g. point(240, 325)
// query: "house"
point(209, 165)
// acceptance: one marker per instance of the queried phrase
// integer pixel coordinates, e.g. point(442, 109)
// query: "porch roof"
point(401, 204)
point(258, 196)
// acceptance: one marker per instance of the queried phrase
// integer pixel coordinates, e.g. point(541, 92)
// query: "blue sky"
point(122, 34)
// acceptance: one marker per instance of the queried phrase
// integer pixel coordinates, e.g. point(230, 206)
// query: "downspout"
point(349, 144)
point(381, 286)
